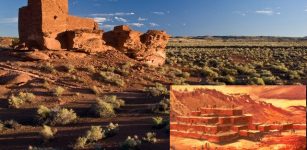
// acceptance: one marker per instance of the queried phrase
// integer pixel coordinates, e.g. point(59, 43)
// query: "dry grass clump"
point(56, 116)
point(105, 107)
point(58, 91)
point(162, 107)
point(96, 133)
point(111, 78)
point(21, 98)
point(47, 133)
point(158, 90)
point(150, 137)
point(131, 143)
point(9, 124)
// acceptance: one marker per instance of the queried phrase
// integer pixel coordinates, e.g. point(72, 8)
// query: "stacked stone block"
point(222, 125)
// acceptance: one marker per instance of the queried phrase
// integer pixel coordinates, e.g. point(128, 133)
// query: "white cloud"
point(120, 19)
point(305, 10)
point(114, 14)
point(136, 24)
point(268, 12)
point(152, 24)
point(100, 19)
point(8, 20)
point(265, 12)
point(142, 19)
point(158, 13)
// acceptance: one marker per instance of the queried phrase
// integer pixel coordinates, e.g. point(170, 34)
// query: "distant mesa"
point(47, 25)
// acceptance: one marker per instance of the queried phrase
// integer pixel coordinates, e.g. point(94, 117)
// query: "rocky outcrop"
point(36, 56)
point(148, 47)
point(13, 79)
point(6, 42)
point(89, 41)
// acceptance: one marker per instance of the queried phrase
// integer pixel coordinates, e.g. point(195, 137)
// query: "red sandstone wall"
point(30, 23)
point(75, 23)
point(54, 15)
point(22, 20)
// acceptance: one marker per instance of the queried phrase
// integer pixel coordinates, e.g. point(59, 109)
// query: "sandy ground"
point(179, 143)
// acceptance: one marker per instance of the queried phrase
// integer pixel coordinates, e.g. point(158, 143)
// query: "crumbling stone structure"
point(43, 24)
point(219, 125)
point(46, 24)
point(148, 47)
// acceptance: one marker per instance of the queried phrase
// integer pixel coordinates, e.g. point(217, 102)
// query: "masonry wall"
point(30, 23)
point(43, 24)
point(75, 23)
point(54, 15)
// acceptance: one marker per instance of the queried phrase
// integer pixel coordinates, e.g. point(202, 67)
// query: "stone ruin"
point(219, 125)
point(46, 24)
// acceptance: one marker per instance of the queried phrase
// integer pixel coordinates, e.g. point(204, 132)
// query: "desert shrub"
point(158, 90)
point(185, 75)
point(114, 101)
point(94, 134)
point(91, 69)
point(257, 81)
point(76, 78)
point(131, 143)
point(150, 137)
point(281, 68)
point(58, 91)
point(228, 79)
point(158, 122)
point(266, 73)
point(111, 130)
point(162, 107)
point(179, 81)
point(80, 143)
point(227, 71)
point(292, 75)
point(47, 67)
point(9, 124)
point(15, 102)
point(21, 98)
point(102, 109)
point(107, 68)
point(271, 80)
point(124, 70)
point(56, 116)
point(209, 73)
point(46, 85)
point(65, 116)
point(69, 68)
point(245, 70)
point(47, 133)
point(111, 78)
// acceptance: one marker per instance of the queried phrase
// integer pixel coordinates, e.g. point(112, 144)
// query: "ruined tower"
point(43, 24)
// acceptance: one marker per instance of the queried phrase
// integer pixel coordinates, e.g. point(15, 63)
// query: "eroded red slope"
point(262, 111)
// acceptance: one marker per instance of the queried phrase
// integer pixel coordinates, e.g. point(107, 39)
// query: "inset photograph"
point(237, 117)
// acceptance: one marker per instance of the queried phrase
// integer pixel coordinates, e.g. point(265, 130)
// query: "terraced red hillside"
point(265, 112)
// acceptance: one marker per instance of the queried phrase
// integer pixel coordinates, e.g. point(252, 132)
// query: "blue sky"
point(184, 17)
